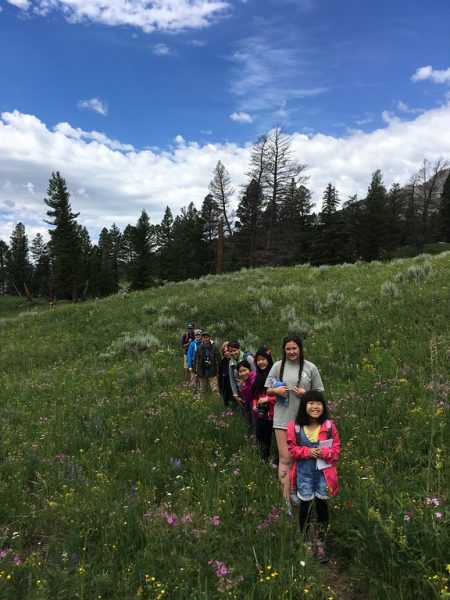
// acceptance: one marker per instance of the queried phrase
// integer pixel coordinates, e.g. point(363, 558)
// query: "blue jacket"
point(191, 352)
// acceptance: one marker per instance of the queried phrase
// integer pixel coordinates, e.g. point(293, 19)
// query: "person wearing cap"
point(196, 342)
point(186, 340)
point(207, 360)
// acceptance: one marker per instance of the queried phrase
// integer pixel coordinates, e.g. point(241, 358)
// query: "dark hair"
point(311, 396)
point(292, 337)
point(234, 344)
point(261, 374)
point(243, 363)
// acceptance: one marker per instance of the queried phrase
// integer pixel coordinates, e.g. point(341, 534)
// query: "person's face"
point(190, 332)
point(292, 351)
point(234, 352)
point(226, 352)
point(198, 336)
point(314, 409)
point(206, 340)
point(244, 373)
point(262, 362)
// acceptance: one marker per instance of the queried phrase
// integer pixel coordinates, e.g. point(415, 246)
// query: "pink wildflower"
point(215, 520)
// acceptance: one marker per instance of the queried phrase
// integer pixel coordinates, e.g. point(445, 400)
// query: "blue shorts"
point(310, 483)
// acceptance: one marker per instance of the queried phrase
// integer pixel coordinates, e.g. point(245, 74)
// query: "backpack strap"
point(298, 434)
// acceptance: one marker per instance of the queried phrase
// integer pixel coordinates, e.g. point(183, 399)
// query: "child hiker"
point(263, 405)
point(314, 445)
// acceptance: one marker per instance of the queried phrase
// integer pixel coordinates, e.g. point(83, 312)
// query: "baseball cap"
point(198, 332)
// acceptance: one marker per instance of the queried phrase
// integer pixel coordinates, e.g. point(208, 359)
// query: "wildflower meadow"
point(117, 482)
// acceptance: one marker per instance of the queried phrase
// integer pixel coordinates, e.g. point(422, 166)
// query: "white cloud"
point(404, 108)
point(266, 72)
point(22, 4)
point(435, 76)
point(111, 181)
point(161, 50)
point(94, 104)
point(95, 136)
point(148, 15)
point(241, 117)
point(179, 139)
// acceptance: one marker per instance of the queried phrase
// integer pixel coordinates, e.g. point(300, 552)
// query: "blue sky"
point(136, 103)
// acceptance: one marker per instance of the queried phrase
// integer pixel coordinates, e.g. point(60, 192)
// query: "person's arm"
point(233, 382)
point(190, 355)
point(184, 342)
point(296, 452)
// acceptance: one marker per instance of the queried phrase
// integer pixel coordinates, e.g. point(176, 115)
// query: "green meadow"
point(116, 482)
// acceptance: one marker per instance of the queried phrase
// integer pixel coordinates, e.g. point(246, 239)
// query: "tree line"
point(273, 224)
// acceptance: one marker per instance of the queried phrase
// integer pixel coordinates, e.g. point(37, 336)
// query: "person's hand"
point(239, 400)
point(190, 369)
point(282, 391)
point(298, 391)
point(262, 401)
point(316, 452)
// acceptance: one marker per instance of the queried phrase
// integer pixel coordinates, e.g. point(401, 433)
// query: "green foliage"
point(116, 482)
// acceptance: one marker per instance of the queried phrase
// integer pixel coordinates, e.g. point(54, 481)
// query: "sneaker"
point(295, 500)
point(321, 552)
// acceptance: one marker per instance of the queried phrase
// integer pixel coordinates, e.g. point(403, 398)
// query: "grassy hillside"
point(115, 482)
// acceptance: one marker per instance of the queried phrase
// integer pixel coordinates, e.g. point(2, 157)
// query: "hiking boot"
point(321, 552)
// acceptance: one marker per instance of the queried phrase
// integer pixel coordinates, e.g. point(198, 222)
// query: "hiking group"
point(285, 398)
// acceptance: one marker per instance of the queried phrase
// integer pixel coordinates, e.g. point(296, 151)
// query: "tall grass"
point(116, 482)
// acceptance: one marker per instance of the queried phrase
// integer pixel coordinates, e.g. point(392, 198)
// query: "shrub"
point(166, 321)
point(390, 290)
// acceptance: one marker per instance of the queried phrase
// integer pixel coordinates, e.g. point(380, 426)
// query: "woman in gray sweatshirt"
point(288, 380)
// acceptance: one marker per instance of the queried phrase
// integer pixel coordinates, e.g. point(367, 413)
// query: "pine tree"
point(295, 223)
point(142, 268)
point(213, 223)
point(375, 220)
point(41, 259)
point(395, 221)
point(164, 242)
point(444, 211)
point(107, 281)
point(115, 238)
point(329, 246)
point(249, 213)
point(89, 266)
point(273, 166)
point(222, 192)
point(189, 246)
point(330, 203)
point(19, 266)
point(65, 244)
